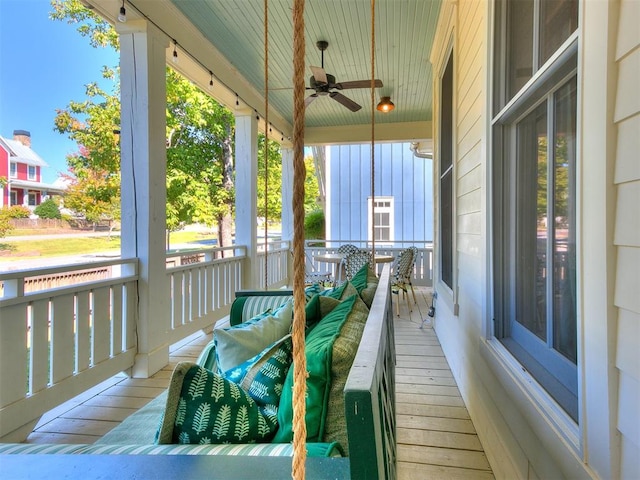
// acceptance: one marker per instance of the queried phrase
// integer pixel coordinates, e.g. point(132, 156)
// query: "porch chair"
point(313, 274)
point(402, 272)
point(354, 261)
point(347, 248)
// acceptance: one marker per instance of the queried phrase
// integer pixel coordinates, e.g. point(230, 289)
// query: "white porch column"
point(287, 205)
point(143, 168)
point(246, 198)
point(287, 194)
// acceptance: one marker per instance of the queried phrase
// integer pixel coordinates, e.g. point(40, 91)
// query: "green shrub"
point(314, 225)
point(47, 209)
point(5, 225)
point(18, 211)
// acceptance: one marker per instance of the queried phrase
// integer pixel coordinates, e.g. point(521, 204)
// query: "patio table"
point(336, 260)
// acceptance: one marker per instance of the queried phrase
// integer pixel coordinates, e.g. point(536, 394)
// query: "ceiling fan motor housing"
point(322, 87)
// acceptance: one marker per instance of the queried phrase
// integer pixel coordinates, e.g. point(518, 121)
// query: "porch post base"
point(20, 434)
point(146, 364)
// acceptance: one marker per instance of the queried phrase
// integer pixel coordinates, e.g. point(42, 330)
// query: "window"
point(32, 199)
point(535, 192)
point(446, 175)
point(14, 170)
point(383, 219)
point(13, 198)
point(31, 172)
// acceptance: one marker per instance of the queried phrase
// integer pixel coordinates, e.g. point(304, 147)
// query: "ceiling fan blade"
point(346, 101)
point(319, 74)
point(358, 84)
point(310, 99)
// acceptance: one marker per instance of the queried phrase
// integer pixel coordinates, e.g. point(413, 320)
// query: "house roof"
point(49, 187)
point(22, 154)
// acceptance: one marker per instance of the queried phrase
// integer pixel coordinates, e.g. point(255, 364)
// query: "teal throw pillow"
point(237, 344)
point(204, 407)
point(263, 376)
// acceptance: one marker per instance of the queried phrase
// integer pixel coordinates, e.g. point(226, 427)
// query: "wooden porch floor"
point(436, 438)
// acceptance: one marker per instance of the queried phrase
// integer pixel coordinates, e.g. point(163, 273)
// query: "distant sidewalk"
point(44, 236)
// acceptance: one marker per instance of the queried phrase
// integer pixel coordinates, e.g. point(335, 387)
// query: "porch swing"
point(299, 258)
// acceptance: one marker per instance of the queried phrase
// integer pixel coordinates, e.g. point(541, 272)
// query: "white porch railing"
point(58, 342)
point(423, 270)
point(202, 284)
point(278, 260)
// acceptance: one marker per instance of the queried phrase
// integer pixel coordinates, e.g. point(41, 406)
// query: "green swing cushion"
point(319, 350)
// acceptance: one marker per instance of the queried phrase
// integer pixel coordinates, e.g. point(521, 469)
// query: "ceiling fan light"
point(385, 105)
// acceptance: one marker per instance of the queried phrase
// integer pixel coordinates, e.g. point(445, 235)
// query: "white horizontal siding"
point(628, 166)
point(627, 235)
point(627, 215)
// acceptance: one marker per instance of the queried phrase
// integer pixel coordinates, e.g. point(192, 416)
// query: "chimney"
point(22, 136)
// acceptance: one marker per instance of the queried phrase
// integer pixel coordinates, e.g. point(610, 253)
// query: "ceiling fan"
point(325, 84)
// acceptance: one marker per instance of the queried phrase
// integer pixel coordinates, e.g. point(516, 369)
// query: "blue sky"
point(44, 64)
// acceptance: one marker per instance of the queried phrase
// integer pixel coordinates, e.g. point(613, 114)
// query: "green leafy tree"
point(311, 188)
point(200, 183)
point(48, 209)
point(273, 187)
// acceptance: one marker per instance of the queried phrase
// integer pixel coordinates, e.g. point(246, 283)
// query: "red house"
point(22, 167)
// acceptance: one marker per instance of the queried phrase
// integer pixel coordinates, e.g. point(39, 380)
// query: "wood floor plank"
point(424, 350)
point(117, 401)
point(405, 359)
point(447, 457)
point(444, 400)
point(440, 411)
point(158, 382)
point(433, 438)
point(420, 362)
point(422, 380)
point(416, 471)
point(424, 372)
point(427, 389)
point(78, 427)
point(146, 392)
point(456, 425)
point(88, 412)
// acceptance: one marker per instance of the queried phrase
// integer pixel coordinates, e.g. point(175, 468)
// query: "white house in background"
point(403, 193)
point(22, 167)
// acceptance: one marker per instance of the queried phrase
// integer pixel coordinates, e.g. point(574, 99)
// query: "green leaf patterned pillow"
point(263, 375)
point(204, 407)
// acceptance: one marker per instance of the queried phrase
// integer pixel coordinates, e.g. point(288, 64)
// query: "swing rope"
point(266, 143)
point(373, 132)
point(299, 320)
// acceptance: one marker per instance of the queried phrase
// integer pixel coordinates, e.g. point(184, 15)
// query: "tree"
point(200, 183)
point(273, 181)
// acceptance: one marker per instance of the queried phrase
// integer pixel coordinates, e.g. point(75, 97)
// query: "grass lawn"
point(51, 247)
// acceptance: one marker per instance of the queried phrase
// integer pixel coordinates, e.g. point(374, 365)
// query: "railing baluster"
point(39, 346)
point(83, 331)
point(101, 324)
point(62, 338)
